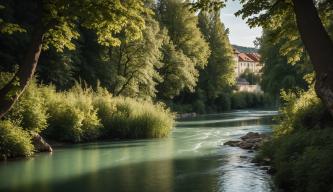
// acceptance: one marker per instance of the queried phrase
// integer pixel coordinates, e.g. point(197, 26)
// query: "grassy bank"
point(302, 151)
point(79, 115)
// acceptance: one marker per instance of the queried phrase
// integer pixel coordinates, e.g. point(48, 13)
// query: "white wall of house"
point(249, 88)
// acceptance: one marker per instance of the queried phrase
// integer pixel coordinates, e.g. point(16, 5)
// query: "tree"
point(219, 74)
point(178, 71)
point(54, 23)
point(277, 72)
point(187, 50)
point(133, 65)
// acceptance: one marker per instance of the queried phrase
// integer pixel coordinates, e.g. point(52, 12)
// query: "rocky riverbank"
point(253, 141)
point(250, 141)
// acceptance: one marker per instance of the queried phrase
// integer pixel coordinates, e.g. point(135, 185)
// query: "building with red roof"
point(250, 62)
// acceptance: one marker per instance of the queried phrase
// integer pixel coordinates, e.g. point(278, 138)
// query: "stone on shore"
point(40, 144)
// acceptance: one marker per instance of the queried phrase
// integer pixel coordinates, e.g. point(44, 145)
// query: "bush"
point(72, 115)
point(30, 111)
point(80, 115)
point(242, 100)
point(181, 108)
point(303, 160)
point(223, 102)
point(301, 110)
point(14, 142)
point(199, 107)
point(238, 100)
point(128, 118)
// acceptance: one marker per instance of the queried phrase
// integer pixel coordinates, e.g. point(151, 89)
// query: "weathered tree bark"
point(10, 93)
point(319, 47)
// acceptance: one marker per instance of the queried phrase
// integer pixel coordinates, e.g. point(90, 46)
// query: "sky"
point(240, 32)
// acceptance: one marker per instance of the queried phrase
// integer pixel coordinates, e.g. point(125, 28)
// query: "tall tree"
point(178, 71)
point(219, 75)
point(53, 23)
point(134, 65)
point(186, 42)
point(278, 73)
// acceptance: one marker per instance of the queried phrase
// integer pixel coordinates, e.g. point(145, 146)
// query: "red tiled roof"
point(244, 58)
point(254, 56)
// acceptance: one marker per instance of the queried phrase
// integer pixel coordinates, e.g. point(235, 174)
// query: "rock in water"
point(250, 141)
point(232, 143)
point(251, 135)
point(40, 144)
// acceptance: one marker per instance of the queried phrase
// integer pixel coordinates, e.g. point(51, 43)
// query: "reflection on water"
point(193, 158)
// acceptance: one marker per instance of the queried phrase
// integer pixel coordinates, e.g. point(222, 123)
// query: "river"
point(193, 158)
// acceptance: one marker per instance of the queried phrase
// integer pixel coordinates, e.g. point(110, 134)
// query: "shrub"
point(303, 160)
point(181, 108)
point(29, 112)
point(72, 115)
point(242, 100)
point(14, 142)
point(128, 118)
point(300, 110)
point(199, 107)
point(238, 100)
point(223, 102)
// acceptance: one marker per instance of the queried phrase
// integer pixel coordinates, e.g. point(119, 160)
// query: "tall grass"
point(72, 116)
point(128, 118)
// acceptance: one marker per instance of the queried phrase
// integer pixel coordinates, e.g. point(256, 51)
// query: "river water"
point(193, 158)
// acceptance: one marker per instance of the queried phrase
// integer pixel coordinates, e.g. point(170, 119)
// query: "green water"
point(193, 158)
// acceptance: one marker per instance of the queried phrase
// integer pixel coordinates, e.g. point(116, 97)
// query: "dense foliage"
point(186, 51)
point(216, 80)
point(14, 141)
point(301, 151)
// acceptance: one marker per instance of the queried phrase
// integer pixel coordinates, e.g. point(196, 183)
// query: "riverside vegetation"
point(78, 115)
point(301, 151)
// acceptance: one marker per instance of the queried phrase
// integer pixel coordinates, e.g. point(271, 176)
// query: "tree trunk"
point(10, 93)
point(319, 47)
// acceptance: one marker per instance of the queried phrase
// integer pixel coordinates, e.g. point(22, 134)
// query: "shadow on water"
point(187, 174)
point(93, 147)
point(159, 175)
